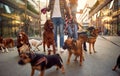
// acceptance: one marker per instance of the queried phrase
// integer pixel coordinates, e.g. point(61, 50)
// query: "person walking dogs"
point(57, 9)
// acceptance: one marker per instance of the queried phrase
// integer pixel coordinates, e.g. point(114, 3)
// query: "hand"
point(44, 10)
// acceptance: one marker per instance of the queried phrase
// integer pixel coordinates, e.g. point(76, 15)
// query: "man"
point(58, 8)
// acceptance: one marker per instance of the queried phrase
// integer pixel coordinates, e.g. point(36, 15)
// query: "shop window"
point(7, 9)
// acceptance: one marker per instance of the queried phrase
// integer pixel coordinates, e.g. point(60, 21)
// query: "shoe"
point(85, 50)
point(61, 50)
point(56, 48)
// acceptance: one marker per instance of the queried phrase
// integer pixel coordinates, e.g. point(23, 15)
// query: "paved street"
point(98, 64)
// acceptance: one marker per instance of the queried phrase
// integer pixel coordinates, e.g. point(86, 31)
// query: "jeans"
point(58, 26)
point(72, 31)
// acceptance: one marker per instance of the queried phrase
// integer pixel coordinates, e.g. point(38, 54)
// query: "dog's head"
point(22, 36)
point(69, 43)
point(48, 25)
point(26, 58)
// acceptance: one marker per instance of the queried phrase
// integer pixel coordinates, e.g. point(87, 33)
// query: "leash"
point(110, 41)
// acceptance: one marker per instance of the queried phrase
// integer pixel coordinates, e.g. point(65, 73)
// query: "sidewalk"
point(113, 39)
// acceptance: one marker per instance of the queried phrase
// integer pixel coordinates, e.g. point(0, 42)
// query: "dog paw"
point(90, 52)
point(95, 51)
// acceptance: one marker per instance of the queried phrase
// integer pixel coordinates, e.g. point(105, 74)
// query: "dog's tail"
point(60, 57)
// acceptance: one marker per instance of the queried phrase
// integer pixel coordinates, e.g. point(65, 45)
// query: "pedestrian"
point(73, 7)
point(73, 24)
point(57, 9)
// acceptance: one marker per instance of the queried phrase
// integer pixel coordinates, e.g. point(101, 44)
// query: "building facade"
point(18, 15)
point(106, 14)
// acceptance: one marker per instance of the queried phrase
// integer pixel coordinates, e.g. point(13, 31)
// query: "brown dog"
point(48, 36)
point(90, 39)
point(41, 62)
point(74, 47)
point(22, 39)
point(6, 43)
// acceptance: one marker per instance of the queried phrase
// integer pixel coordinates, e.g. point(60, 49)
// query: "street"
point(95, 64)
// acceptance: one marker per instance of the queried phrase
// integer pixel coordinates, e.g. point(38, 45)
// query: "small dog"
point(117, 64)
point(74, 47)
point(35, 44)
point(41, 62)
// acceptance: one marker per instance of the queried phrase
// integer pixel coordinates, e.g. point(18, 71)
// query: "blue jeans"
point(58, 26)
point(72, 31)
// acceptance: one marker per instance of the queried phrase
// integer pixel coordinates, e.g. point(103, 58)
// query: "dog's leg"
point(32, 72)
point(93, 45)
point(81, 58)
point(38, 46)
point(62, 69)
point(2, 50)
point(69, 56)
point(54, 50)
point(6, 50)
point(90, 48)
point(42, 73)
point(44, 46)
point(114, 68)
point(49, 50)
point(75, 58)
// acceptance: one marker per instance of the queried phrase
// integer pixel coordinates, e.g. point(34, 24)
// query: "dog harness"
point(43, 59)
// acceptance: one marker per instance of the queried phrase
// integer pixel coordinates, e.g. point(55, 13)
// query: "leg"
point(49, 50)
point(84, 46)
point(94, 47)
point(90, 48)
point(42, 73)
point(61, 27)
point(55, 22)
point(75, 34)
point(6, 50)
point(44, 46)
point(62, 69)
point(81, 58)
point(75, 58)
point(2, 50)
point(32, 72)
point(114, 68)
point(69, 56)
point(54, 50)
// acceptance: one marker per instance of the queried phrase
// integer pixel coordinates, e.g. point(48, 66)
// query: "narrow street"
point(96, 64)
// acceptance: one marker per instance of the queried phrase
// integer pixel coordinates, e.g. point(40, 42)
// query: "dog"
point(22, 39)
point(74, 47)
point(117, 64)
point(35, 44)
point(6, 43)
point(89, 39)
point(48, 36)
point(41, 62)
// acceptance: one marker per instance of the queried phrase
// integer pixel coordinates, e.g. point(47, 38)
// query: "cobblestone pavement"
point(96, 64)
